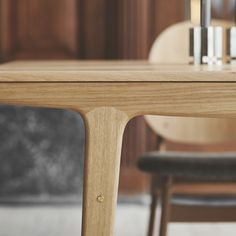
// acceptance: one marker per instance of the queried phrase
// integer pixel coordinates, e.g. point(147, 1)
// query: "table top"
point(112, 71)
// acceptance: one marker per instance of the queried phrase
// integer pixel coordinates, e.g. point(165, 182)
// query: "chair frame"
point(161, 187)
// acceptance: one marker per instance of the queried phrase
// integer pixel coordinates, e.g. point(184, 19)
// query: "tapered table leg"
point(104, 129)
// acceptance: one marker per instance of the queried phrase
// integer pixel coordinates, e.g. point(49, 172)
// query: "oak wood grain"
point(196, 99)
point(68, 71)
point(105, 127)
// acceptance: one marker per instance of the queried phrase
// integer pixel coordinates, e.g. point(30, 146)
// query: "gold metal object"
point(100, 198)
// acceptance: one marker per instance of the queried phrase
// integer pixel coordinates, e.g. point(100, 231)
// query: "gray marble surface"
point(41, 151)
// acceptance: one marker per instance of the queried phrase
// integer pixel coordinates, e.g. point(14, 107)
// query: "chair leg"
point(152, 219)
point(165, 204)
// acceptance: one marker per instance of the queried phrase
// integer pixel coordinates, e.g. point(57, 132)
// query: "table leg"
point(104, 132)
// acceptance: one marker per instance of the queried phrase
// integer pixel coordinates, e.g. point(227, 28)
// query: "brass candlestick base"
point(231, 45)
point(206, 45)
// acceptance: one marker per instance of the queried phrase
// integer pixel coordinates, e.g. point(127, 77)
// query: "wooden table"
point(108, 95)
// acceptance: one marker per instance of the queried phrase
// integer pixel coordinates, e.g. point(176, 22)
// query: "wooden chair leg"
point(153, 206)
point(152, 219)
point(165, 204)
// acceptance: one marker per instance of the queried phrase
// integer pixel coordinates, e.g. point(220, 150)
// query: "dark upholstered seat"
point(193, 166)
point(207, 200)
point(218, 166)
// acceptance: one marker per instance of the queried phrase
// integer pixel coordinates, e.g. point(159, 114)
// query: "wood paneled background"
point(91, 29)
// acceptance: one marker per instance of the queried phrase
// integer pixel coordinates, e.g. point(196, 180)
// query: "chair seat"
point(207, 201)
point(217, 166)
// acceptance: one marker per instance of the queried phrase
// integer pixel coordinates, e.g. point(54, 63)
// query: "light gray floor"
point(65, 221)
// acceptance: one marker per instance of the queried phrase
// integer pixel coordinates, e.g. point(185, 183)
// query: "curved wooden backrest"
point(172, 46)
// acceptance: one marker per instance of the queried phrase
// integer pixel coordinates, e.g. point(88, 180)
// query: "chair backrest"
point(172, 46)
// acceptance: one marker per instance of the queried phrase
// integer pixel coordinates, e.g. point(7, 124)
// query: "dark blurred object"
point(41, 151)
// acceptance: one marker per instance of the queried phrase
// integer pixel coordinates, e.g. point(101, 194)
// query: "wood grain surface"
point(108, 95)
point(197, 99)
point(116, 71)
point(105, 127)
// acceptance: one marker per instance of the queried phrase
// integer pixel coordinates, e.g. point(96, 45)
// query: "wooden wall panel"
point(172, 12)
point(93, 29)
point(133, 29)
point(6, 29)
point(40, 28)
point(98, 29)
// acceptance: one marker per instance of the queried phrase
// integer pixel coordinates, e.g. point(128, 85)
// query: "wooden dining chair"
point(169, 168)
